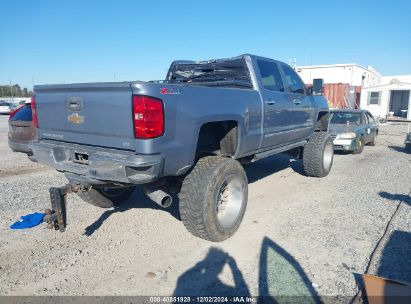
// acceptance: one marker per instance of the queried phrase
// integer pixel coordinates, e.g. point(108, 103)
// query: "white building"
point(347, 73)
point(391, 97)
point(379, 94)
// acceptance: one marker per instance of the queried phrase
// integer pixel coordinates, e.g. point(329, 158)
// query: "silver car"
point(351, 130)
point(7, 107)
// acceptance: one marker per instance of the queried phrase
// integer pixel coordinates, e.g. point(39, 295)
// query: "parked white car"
point(7, 107)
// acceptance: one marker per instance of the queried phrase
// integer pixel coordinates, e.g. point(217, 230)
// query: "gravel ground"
point(300, 235)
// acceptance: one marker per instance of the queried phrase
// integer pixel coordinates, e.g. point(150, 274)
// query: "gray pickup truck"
point(186, 135)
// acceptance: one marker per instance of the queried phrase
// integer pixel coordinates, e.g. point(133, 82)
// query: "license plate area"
point(81, 158)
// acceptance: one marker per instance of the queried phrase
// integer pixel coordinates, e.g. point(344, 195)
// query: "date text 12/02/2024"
point(203, 299)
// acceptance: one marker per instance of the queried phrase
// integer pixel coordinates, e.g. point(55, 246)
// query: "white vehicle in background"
point(7, 107)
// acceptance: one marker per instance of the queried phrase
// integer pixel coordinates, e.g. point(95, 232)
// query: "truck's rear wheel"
point(213, 198)
point(106, 197)
point(318, 155)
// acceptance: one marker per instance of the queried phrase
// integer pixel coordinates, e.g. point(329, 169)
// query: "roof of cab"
point(224, 59)
point(349, 110)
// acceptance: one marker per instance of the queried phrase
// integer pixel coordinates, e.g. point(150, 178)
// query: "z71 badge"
point(169, 91)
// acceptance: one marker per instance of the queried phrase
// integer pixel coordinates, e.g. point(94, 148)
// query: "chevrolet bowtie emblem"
point(75, 118)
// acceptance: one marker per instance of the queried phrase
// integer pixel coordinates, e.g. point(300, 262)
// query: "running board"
point(279, 150)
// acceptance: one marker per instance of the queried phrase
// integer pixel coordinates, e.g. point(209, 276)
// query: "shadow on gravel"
point(255, 171)
point(396, 197)
point(395, 262)
point(202, 279)
point(281, 277)
point(137, 201)
point(398, 149)
point(265, 167)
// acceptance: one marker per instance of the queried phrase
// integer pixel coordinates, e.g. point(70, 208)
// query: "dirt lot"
point(300, 235)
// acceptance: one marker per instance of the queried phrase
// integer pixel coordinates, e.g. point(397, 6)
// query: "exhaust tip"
point(158, 196)
point(166, 201)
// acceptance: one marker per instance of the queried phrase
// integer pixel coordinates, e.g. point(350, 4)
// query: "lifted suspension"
point(56, 216)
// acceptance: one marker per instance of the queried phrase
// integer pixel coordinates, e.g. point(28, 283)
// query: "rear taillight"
point(34, 112)
point(148, 117)
point(15, 111)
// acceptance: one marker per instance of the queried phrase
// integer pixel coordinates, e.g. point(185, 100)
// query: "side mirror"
point(318, 86)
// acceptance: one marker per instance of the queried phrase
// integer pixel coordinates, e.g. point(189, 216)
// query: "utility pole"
point(11, 92)
point(293, 63)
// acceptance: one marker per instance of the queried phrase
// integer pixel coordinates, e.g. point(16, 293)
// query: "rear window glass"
point(24, 114)
point(4, 104)
point(232, 71)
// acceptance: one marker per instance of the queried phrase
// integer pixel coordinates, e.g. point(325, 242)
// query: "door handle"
point(270, 102)
point(296, 101)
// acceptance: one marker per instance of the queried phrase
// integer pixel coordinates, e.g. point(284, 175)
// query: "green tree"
point(14, 90)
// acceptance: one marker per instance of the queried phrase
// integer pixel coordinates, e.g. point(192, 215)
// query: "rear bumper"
point(103, 165)
point(20, 146)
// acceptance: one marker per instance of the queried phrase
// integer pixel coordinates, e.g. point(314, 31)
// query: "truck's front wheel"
point(106, 197)
point(213, 198)
point(318, 155)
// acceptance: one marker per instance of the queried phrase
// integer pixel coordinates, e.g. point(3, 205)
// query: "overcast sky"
point(85, 41)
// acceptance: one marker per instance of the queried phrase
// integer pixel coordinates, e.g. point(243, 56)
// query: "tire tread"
point(312, 155)
point(196, 185)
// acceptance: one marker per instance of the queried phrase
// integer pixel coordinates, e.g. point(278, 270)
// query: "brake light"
point(15, 112)
point(34, 112)
point(148, 117)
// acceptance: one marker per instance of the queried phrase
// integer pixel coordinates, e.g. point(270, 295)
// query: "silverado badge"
point(75, 118)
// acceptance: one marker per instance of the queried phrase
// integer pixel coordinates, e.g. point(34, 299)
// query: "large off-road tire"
point(106, 197)
point(213, 198)
point(318, 155)
point(360, 146)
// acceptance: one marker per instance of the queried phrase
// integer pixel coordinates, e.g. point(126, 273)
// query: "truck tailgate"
point(93, 113)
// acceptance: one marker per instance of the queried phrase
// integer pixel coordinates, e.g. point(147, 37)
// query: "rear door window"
point(293, 81)
point(270, 76)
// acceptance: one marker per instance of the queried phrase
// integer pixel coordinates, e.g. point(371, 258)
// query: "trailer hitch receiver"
point(56, 216)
